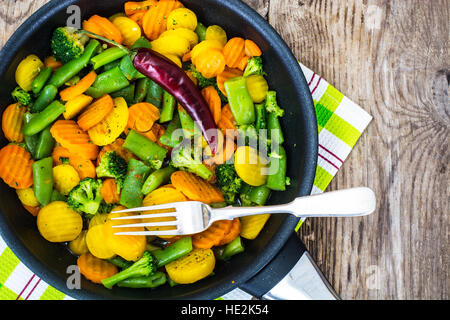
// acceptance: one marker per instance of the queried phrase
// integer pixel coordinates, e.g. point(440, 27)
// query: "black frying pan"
point(267, 259)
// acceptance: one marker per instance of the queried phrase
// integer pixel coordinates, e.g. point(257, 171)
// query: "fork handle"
point(343, 203)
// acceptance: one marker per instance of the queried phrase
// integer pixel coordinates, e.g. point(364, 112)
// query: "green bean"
point(110, 81)
point(261, 117)
point(131, 195)
point(155, 94)
point(187, 123)
point(45, 144)
point(275, 131)
point(142, 86)
point(155, 280)
point(278, 162)
point(259, 195)
point(47, 95)
point(73, 67)
point(43, 180)
point(127, 93)
point(168, 107)
point(156, 179)
point(201, 31)
point(176, 250)
point(40, 81)
point(44, 118)
point(30, 141)
point(145, 149)
point(240, 101)
point(111, 65)
point(234, 247)
point(73, 81)
point(169, 138)
point(107, 56)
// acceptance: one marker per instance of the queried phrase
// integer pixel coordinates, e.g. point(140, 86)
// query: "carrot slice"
point(233, 51)
point(224, 76)
point(16, 167)
point(226, 121)
point(69, 134)
point(32, 210)
point(233, 233)
point(138, 17)
point(89, 25)
point(107, 28)
point(109, 191)
point(52, 63)
point(12, 122)
point(215, 104)
point(142, 116)
point(252, 49)
point(80, 88)
point(85, 168)
point(213, 235)
point(96, 112)
point(243, 63)
point(132, 7)
point(195, 188)
point(95, 269)
point(154, 21)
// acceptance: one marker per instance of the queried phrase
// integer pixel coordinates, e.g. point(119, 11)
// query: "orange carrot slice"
point(16, 167)
point(233, 233)
point(233, 51)
point(213, 235)
point(52, 63)
point(224, 76)
point(195, 188)
point(252, 49)
point(109, 191)
point(132, 7)
point(154, 21)
point(142, 116)
point(107, 28)
point(84, 167)
point(215, 104)
point(80, 88)
point(96, 112)
point(95, 269)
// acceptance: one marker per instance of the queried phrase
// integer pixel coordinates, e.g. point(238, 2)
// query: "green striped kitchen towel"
point(341, 122)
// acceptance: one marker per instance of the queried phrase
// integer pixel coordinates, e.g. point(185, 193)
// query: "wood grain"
point(392, 58)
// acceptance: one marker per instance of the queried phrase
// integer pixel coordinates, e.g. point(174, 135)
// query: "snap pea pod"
point(169, 138)
point(155, 280)
point(30, 141)
point(127, 67)
point(234, 247)
point(176, 250)
point(142, 86)
point(73, 67)
point(43, 180)
point(108, 82)
point(111, 65)
point(240, 101)
point(47, 95)
point(127, 93)
point(275, 131)
point(142, 42)
point(156, 179)
point(168, 107)
point(278, 162)
point(44, 118)
point(145, 149)
point(40, 81)
point(45, 144)
point(259, 195)
point(155, 94)
point(131, 195)
point(107, 56)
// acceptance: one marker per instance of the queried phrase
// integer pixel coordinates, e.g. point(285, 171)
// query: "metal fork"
point(193, 217)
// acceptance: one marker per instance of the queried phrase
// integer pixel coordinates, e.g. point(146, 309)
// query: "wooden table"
point(392, 58)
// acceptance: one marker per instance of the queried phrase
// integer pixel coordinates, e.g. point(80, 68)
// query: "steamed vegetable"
point(68, 44)
point(21, 96)
point(86, 196)
point(228, 181)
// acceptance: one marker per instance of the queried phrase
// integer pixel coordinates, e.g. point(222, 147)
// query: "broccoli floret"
point(247, 133)
point(68, 43)
point(228, 181)
point(144, 267)
point(105, 207)
point(21, 96)
point(112, 166)
point(254, 66)
point(202, 81)
point(86, 196)
point(183, 160)
point(272, 105)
